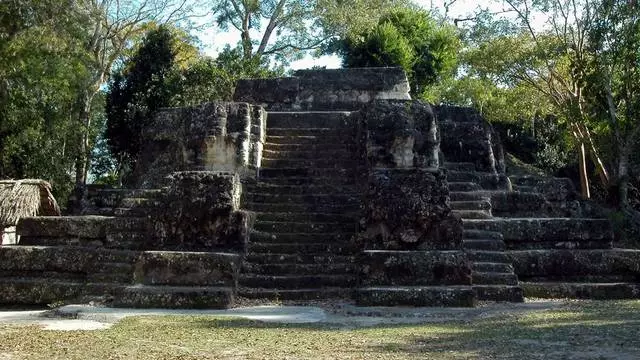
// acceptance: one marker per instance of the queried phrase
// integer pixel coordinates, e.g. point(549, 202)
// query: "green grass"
point(585, 329)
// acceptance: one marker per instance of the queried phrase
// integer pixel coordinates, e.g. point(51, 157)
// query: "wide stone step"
point(483, 244)
point(300, 258)
point(471, 176)
point(338, 209)
point(43, 291)
point(468, 196)
point(127, 240)
point(334, 163)
point(182, 297)
point(522, 233)
point(494, 278)
point(113, 197)
point(464, 186)
point(332, 154)
point(312, 131)
point(492, 267)
point(488, 256)
point(306, 199)
point(451, 296)
point(299, 269)
point(310, 119)
point(277, 227)
point(510, 293)
point(481, 234)
point(329, 237)
point(296, 281)
point(471, 205)
point(330, 189)
point(473, 214)
point(312, 140)
point(320, 147)
point(306, 217)
point(297, 294)
point(596, 291)
point(116, 278)
point(335, 181)
point(571, 263)
point(337, 248)
point(132, 193)
point(459, 166)
point(269, 173)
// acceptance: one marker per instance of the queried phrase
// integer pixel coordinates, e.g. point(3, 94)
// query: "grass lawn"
point(579, 330)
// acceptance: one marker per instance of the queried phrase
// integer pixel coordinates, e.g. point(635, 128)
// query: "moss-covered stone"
point(567, 264)
point(88, 226)
point(176, 297)
point(408, 209)
point(380, 267)
point(456, 296)
point(187, 268)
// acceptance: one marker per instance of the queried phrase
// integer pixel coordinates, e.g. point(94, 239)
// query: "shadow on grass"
point(594, 329)
point(599, 330)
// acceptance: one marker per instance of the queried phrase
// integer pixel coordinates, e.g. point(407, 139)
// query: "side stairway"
point(493, 274)
point(306, 204)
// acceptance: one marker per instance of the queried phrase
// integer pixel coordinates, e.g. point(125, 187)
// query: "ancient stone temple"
point(326, 184)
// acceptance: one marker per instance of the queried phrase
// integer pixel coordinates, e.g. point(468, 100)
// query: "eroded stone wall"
point(218, 136)
point(332, 89)
point(200, 211)
point(465, 136)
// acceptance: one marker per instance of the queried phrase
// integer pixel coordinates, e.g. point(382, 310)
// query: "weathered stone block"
point(187, 268)
point(467, 137)
point(199, 213)
point(45, 258)
point(595, 291)
point(457, 296)
point(553, 189)
point(407, 209)
point(381, 267)
point(91, 227)
point(328, 89)
point(401, 134)
point(217, 136)
point(176, 297)
point(540, 233)
point(565, 264)
point(38, 291)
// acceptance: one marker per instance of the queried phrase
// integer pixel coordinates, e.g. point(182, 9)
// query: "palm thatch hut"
point(22, 198)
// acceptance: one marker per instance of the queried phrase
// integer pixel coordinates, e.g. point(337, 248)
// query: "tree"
point(40, 69)
point(408, 38)
point(613, 85)
point(137, 92)
point(110, 27)
point(293, 22)
point(286, 29)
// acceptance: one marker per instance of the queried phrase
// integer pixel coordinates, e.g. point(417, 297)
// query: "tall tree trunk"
point(82, 156)
point(584, 177)
point(622, 182)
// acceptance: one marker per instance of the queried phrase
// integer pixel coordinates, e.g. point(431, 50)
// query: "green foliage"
point(42, 67)
point(408, 38)
point(383, 46)
point(137, 92)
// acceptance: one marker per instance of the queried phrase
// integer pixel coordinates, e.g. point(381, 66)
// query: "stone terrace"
point(330, 183)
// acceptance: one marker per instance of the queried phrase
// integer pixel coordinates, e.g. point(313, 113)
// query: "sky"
point(214, 40)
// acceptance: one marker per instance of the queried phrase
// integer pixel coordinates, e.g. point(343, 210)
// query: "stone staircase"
point(306, 204)
point(493, 274)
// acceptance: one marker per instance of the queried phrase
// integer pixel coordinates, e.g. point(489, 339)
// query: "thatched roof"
point(28, 197)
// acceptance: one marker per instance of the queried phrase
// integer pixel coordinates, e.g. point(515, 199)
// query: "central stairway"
point(307, 203)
